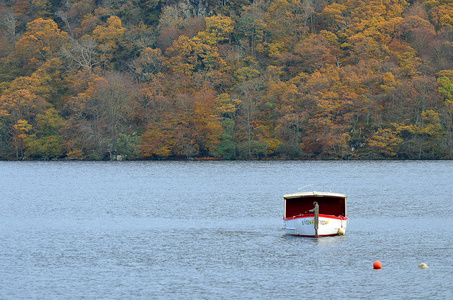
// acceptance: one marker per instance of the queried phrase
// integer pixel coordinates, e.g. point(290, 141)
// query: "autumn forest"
point(226, 79)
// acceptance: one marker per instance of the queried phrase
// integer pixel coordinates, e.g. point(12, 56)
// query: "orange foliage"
point(280, 78)
point(41, 41)
point(187, 56)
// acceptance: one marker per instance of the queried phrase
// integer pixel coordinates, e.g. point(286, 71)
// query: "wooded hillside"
point(229, 79)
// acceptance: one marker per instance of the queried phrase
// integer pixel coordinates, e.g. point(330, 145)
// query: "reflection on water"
point(215, 230)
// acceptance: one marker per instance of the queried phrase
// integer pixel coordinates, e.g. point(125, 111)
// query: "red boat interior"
point(327, 206)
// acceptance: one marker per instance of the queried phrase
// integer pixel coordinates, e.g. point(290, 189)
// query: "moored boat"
point(315, 214)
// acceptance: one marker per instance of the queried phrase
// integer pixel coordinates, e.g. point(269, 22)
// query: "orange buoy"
point(377, 265)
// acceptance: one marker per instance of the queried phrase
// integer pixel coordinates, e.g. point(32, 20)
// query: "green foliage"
point(49, 123)
point(446, 87)
point(128, 146)
point(45, 148)
point(252, 150)
point(227, 147)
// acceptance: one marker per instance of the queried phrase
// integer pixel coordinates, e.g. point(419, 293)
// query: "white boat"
point(315, 214)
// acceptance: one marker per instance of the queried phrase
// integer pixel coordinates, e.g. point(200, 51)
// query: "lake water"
point(214, 230)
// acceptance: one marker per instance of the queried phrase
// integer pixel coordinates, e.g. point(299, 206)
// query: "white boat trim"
point(314, 193)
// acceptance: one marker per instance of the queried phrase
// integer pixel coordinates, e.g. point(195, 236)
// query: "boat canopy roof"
point(314, 194)
point(302, 203)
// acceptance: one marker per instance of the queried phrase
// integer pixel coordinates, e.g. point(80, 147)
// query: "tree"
point(150, 63)
point(81, 54)
point(46, 148)
point(441, 13)
point(190, 55)
point(20, 138)
point(8, 21)
point(109, 37)
point(287, 21)
point(361, 47)
point(227, 148)
point(159, 139)
point(41, 41)
point(128, 146)
point(218, 29)
point(49, 123)
point(335, 17)
point(249, 84)
point(21, 101)
point(136, 39)
point(411, 24)
point(252, 25)
point(170, 30)
point(46, 141)
point(318, 51)
point(424, 138)
point(207, 125)
point(104, 110)
point(446, 89)
point(385, 142)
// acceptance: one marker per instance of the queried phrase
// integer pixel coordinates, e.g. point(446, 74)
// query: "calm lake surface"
point(214, 230)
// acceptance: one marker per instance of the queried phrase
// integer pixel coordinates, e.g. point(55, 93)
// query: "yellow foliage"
point(246, 73)
point(225, 105)
point(441, 14)
point(273, 145)
point(446, 73)
point(390, 83)
point(403, 129)
point(75, 154)
point(22, 126)
point(109, 35)
point(187, 55)
point(273, 50)
point(385, 141)
point(335, 15)
point(409, 62)
point(218, 29)
point(431, 126)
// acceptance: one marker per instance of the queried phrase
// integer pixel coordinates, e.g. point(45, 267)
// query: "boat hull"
point(304, 225)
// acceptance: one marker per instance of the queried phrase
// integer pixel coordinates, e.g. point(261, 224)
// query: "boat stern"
point(305, 226)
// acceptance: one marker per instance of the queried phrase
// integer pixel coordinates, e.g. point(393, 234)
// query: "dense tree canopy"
point(240, 79)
